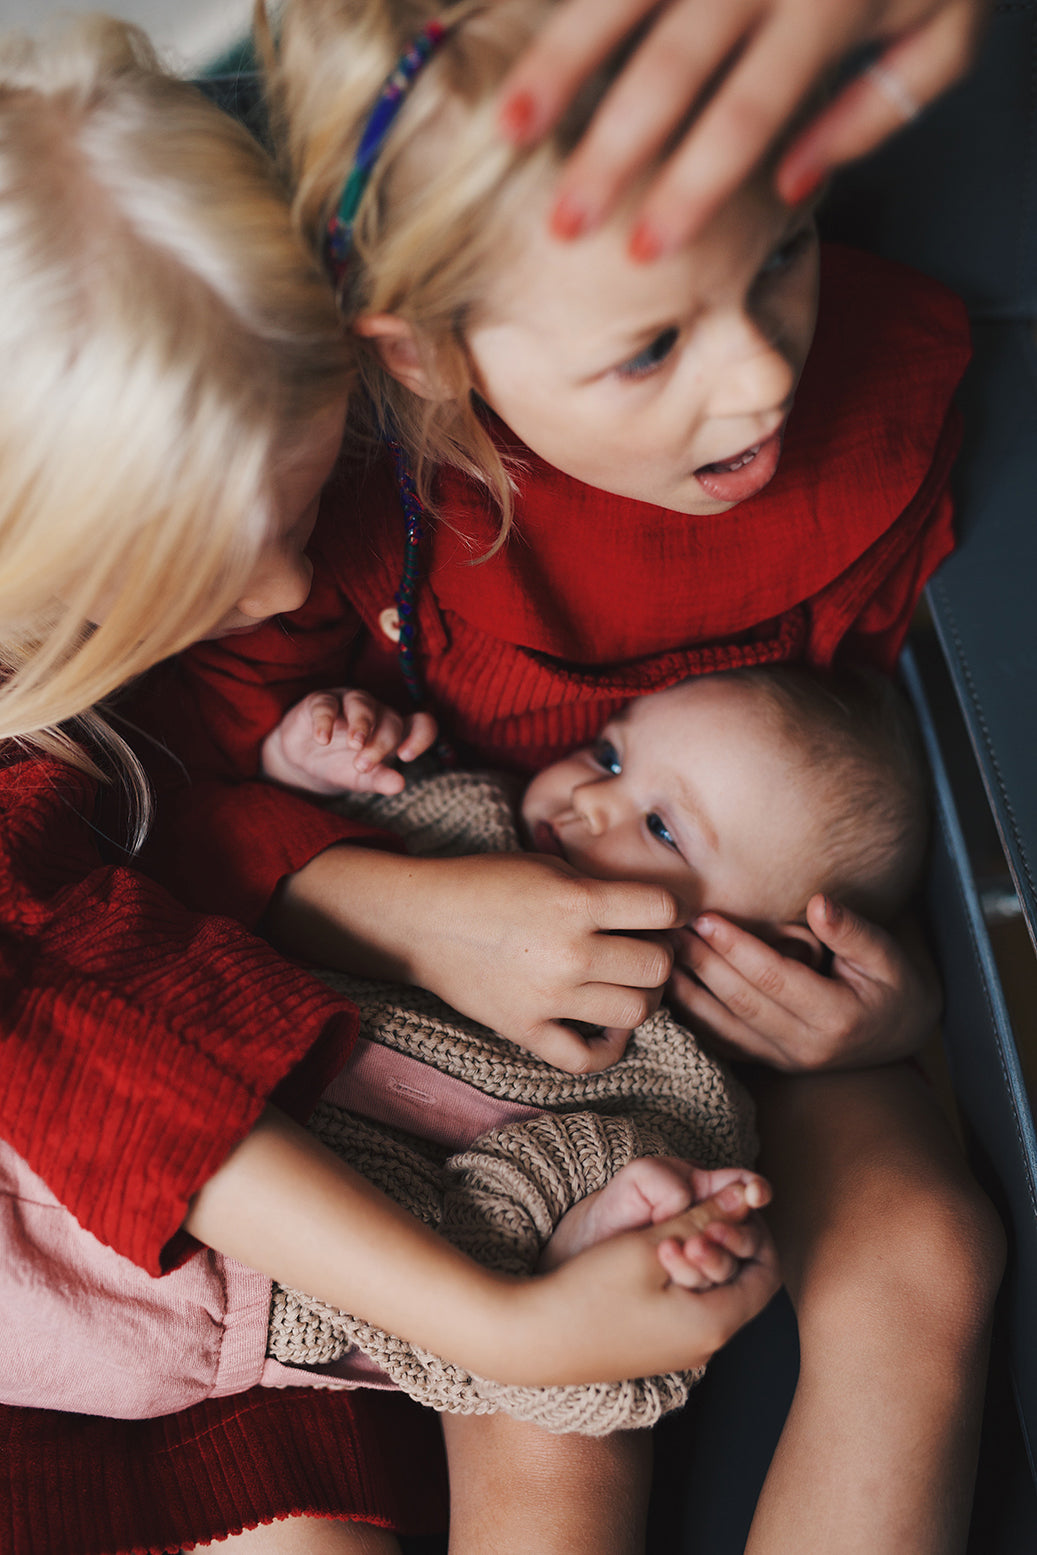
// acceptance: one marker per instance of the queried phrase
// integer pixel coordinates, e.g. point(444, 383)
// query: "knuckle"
point(744, 1003)
point(770, 980)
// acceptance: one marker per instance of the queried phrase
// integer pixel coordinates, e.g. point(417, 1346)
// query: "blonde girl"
point(172, 401)
point(632, 425)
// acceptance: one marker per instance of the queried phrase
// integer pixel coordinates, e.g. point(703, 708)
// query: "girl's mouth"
point(733, 480)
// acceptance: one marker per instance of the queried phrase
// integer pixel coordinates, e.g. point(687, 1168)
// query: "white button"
point(389, 621)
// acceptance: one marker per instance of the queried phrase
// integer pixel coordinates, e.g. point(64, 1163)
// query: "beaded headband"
point(339, 236)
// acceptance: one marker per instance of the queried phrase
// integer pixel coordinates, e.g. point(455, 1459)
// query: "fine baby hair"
point(444, 192)
point(856, 737)
point(166, 341)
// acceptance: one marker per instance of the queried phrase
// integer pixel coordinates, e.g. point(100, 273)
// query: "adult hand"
point(760, 60)
point(878, 1004)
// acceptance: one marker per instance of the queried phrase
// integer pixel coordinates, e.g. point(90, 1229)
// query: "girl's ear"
point(799, 943)
point(397, 345)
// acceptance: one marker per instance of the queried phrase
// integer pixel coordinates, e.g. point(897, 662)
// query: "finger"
point(713, 1263)
point(611, 1008)
point(381, 741)
point(578, 36)
point(856, 944)
point(324, 710)
point(359, 712)
point(754, 980)
point(740, 1241)
point(923, 64)
point(559, 1045)
point(419, 734)
point(648, 102)
point(631, 905)
point(732, 1187)
point(726, 1035)
point(752, 106)
point(681, 1269)
point(633, 960)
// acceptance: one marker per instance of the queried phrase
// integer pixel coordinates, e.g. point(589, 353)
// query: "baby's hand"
point(656, 1188)
point(339, 740)
point(622, 1308)
point(878, 1004)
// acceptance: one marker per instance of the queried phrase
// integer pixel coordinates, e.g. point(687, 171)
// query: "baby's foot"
point(656, 1188)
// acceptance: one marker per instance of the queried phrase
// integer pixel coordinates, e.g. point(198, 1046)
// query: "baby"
point(745, 792)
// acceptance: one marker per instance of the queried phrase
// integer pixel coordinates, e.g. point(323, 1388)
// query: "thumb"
point(850, 937)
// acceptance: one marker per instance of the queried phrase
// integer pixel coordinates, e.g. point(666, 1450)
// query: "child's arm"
point(338, 741)
point(879, 1002)
point(285, 1205)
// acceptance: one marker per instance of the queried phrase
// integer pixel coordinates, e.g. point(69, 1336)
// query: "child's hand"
point(338, 741)
point(521, 943)
point(878, 1003)
point(622, 1307)
point(761, 60)
point(655, 1188)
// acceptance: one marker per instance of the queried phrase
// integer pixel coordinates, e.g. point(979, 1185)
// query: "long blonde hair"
point(443, 196)
point(164, 337)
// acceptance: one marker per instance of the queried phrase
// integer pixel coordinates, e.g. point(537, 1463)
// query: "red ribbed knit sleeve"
point(139, 1041)
point(222, 838)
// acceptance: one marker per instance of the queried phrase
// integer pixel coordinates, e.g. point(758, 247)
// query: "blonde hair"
point(165, 337)
point(442, 199)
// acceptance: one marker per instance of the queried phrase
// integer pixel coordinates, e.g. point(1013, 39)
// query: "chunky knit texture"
point(501, 1199)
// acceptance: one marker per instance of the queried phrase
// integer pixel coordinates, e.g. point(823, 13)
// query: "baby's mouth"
point(545, 840)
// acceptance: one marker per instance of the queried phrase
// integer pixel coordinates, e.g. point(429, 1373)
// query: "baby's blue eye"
point(651, 357)
point(658, 828)
point(607, 758)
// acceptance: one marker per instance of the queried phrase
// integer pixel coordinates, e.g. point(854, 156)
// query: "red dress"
point(140, 1041)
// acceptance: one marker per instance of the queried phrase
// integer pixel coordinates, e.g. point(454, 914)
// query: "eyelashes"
point(652, 356)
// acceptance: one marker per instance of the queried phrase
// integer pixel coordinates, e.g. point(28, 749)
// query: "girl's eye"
point(651, 357)
point(785, 255)
point(658, 828)
point(607, 758)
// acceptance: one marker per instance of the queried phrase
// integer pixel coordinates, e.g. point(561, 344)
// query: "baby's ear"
point(397, 345)
point(799, 943)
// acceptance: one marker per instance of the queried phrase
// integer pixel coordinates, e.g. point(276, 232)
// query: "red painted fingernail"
point(517, 116)
point(645, 243)
point(569, 219)
point(798, 185)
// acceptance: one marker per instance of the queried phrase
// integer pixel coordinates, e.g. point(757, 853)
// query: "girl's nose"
point(754, 376)
point(279, 585)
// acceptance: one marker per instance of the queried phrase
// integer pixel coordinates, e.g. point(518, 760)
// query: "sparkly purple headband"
point(338, 240)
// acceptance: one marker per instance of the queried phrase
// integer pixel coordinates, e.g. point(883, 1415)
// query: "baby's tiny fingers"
point(324, 710)
point(381, 742)
point(680, 1269)
point(419, 737)
point(741, 1241)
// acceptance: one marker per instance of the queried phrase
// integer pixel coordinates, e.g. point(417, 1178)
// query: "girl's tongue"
point(732, 480)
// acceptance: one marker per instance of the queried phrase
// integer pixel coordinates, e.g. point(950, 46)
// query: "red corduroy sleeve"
point(223, 838)
point(139, 1041)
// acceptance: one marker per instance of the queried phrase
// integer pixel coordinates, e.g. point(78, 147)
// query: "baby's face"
point(668, 382)
point(695, 789)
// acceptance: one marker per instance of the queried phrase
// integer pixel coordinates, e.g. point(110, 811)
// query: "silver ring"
point(893, 90)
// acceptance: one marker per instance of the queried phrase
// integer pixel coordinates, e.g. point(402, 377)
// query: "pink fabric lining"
point(390, 1087)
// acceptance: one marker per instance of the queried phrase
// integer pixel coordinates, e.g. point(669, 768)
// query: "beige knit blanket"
point(500, 1200)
